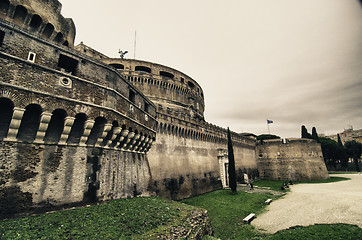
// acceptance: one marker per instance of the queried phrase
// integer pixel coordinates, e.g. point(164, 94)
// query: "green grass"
point(276, 184)
point(319, 232)
point(147, 218)
point(119, 219)
point(227, 211)
point(341, 172)
point(331, 179)
point(273, 184)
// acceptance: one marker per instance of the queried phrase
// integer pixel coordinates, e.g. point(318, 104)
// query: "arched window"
point(142, 69)
point(191, 84)
point(96, 131)
point(35, 22)
point(117, 66)
point(66, 43)
point(6, 113)
point(4, 6)
point(30, 123)
point(59, 37)
point(55, 127)
point(48, 30)
point(20, 14)
point(77, 129)
point(167, 74)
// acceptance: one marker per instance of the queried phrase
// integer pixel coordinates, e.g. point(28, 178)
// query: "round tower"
point(172, 91)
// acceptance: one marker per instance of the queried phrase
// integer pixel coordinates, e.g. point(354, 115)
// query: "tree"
point(330, 151)
point(354, 150)
point(315, 134)
point(267, 136)
point(342, 153)
point(231, 170)
point(305, 133)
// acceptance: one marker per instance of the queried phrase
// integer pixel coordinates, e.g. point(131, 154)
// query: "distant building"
point(348, 135)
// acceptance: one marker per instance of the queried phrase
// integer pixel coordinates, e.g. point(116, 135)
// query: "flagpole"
point(268, 127)
point(135, 40)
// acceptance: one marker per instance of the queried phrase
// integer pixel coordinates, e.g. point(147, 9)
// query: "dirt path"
point(308, 204)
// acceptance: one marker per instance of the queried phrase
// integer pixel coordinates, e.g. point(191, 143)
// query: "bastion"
point(77, 126)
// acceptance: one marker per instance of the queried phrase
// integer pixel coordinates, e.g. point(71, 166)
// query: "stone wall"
point(42, 17)
point(44, 176)
point(72, 129)
point(292, 159)
point(184, 158)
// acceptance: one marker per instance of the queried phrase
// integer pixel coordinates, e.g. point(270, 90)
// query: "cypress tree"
point(305, 133)
point(315, 134)
point(231, 170)
point(342, 153)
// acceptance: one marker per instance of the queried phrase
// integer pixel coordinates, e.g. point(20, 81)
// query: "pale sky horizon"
point(293, 62)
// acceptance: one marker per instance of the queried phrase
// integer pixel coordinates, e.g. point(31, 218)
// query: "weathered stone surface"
point(296, 159)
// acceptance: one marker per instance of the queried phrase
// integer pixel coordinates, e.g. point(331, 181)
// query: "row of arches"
point(161, 73)
point(21, 16)
point(165, 128)
point(32, 124)
point(172, 87)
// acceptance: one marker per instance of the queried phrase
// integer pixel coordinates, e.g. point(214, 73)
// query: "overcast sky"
point(296, 62)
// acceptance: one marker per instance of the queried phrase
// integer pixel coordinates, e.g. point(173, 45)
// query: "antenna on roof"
point(135, 37)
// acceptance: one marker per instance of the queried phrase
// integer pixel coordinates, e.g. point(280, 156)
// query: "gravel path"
point(308, 204)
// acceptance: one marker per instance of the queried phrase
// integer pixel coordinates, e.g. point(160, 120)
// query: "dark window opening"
point(182, 80)
point(6, 113)
point(35, 22)
point(117, 66)
point(56, 126)
point(58, 38)
point(2, 35)
point(147, 107)
point(142, 69)
point(96, 131)
point(167, 74)
point(132, 96)
point(30, 123)
point(77, 129)
point(20, 14)
point(68, 64)
point(4, 6)
point(48, 30)
point(66, 43)
point(191, 84)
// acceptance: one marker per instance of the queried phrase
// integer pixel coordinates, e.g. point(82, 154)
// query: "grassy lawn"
point(341, 172)
point(147, 218)
point(227, 211)
point(136, 218)
point(276, 184)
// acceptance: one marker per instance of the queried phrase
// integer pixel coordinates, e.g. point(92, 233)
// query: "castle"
point(77, 126)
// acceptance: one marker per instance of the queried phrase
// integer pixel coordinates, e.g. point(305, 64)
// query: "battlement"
point(285, 141)
point(40, 17)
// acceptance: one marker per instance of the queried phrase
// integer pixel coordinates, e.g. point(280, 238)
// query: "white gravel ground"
point(308, 204)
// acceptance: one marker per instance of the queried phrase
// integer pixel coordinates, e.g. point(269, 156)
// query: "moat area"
point(309, 204)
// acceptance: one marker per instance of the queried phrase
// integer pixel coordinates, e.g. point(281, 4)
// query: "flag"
point(269, 121)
